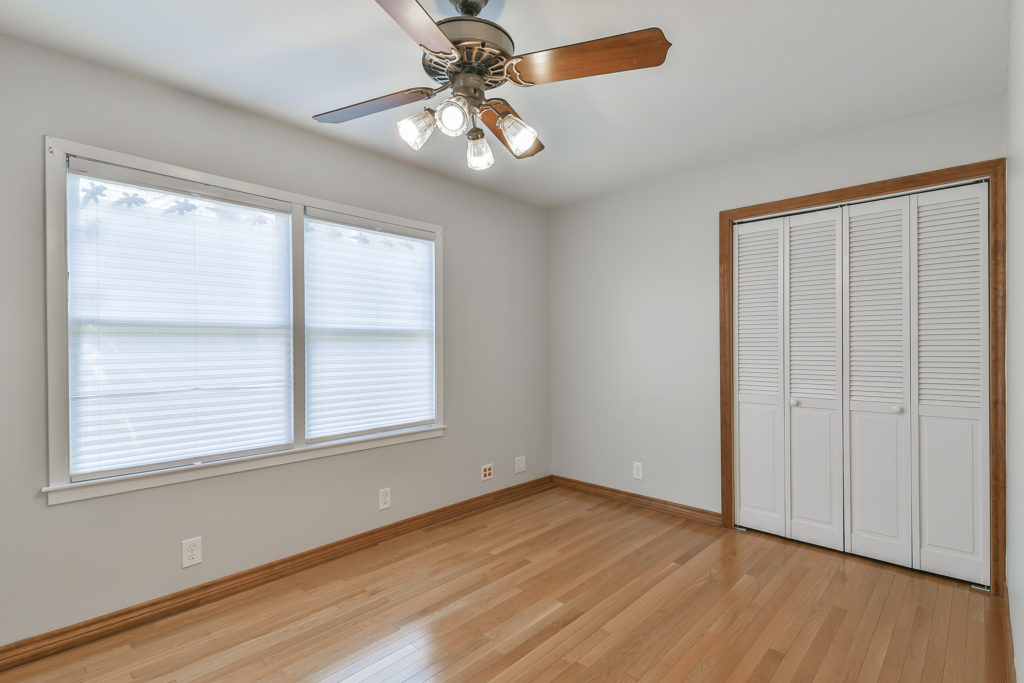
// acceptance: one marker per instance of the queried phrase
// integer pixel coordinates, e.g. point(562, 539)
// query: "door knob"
point(794, 402)
point(897, 409)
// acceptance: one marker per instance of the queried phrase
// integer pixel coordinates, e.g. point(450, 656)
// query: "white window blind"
point(370, 335)
point(179, 327)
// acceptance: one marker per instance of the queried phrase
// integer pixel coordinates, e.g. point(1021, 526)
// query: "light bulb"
point(416, 129)
point(478, 154)
point(518, 133)
point(453, 116)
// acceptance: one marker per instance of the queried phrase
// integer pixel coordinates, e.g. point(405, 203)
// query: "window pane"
point(179, 327)
point(369, 330)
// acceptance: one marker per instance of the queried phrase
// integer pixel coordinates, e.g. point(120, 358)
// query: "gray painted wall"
point(634, 297)
point(1015, 333)
point(66, 563)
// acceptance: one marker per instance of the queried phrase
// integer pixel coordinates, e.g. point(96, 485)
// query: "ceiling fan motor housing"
point(471, 86)
point(483, 49)
point(469, 7)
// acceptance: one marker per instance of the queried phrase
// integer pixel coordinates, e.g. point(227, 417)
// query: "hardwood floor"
point(567, 586)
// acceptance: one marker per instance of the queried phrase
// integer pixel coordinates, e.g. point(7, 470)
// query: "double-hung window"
point(369, 329)
point(200, 326)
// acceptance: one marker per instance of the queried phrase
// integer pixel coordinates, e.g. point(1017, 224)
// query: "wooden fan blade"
point(636, 50)
point(395, 99)
point(490, 115)
point(411, 16)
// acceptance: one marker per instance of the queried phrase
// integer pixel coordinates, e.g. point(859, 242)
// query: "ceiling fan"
point(471, 55)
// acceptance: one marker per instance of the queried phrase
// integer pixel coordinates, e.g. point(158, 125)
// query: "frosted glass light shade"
point(518, 133)
point(478, 154)
point(453, 116)
point(416, 129)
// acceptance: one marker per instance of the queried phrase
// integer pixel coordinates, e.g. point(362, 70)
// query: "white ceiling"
point(742, 75)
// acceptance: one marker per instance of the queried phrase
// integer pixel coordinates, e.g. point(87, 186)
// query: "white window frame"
point(60, 488)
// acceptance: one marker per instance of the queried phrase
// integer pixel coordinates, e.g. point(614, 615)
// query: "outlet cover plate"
point(191, 551)
point(520, 464)
point(384, 498)
point(638, 470)
point(486, 471)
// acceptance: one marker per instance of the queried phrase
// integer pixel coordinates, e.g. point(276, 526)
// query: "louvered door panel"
point(877, 325)
point(757, 326)
point(950, 253)
point(814, 377)
point(757, 304)
point(950, 300)
point(877, 310)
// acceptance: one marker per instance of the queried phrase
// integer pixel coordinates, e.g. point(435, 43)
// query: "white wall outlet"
point(191, 551)
point(638, 470)
point(384, 499)
point(486, 471)
point(520, 464)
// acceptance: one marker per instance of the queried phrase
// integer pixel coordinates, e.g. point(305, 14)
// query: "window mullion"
point(298, 326)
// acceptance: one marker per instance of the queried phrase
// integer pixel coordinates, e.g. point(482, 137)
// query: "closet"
point(861, 385)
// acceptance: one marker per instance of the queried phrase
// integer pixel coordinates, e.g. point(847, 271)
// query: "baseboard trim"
point(657, 504)
point(30, 649)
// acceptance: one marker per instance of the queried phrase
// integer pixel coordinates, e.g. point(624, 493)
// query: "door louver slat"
point(950, 311)
point(812, 311)
point(876, 328)
point(757, 302)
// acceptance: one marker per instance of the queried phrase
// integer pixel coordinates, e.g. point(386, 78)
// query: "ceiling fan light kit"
point(478, 154)
point(470, 55)
point(519, 134)
point(416, 129)
point(453, 116)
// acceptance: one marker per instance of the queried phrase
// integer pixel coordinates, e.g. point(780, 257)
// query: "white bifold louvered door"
point(877, 429)
point(950, 337)
point(861, 365)
point(759, 415)
point(814, 377)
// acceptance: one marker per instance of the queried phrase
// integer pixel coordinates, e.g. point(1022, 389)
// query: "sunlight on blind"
point(179, 328)
point(369, 331)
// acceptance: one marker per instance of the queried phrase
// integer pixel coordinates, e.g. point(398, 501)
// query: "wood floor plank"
point(816, 613)
point(934, 659)
point(856, 601)
point(975, 664)
point(899, 640)
point(753, 660)
point(956, 642)
point(874, 658)
point(565, 586)
point(694, 652)
point(917, 645)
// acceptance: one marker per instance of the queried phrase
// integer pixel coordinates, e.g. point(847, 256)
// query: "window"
point(179, 328)
point(200, 326)
point(369, 330)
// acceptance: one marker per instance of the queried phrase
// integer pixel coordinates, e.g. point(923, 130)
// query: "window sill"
point(96, 488)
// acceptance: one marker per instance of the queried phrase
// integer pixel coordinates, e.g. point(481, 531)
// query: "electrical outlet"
point(486, 471)
point(384, 499)
point(191, 551)
point(520, 464)
point(638, 470)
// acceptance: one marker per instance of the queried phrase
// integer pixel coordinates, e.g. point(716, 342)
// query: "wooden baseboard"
point(37, 647)
point(675, 509)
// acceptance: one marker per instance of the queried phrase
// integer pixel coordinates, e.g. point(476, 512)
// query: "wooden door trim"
point(995, 171)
